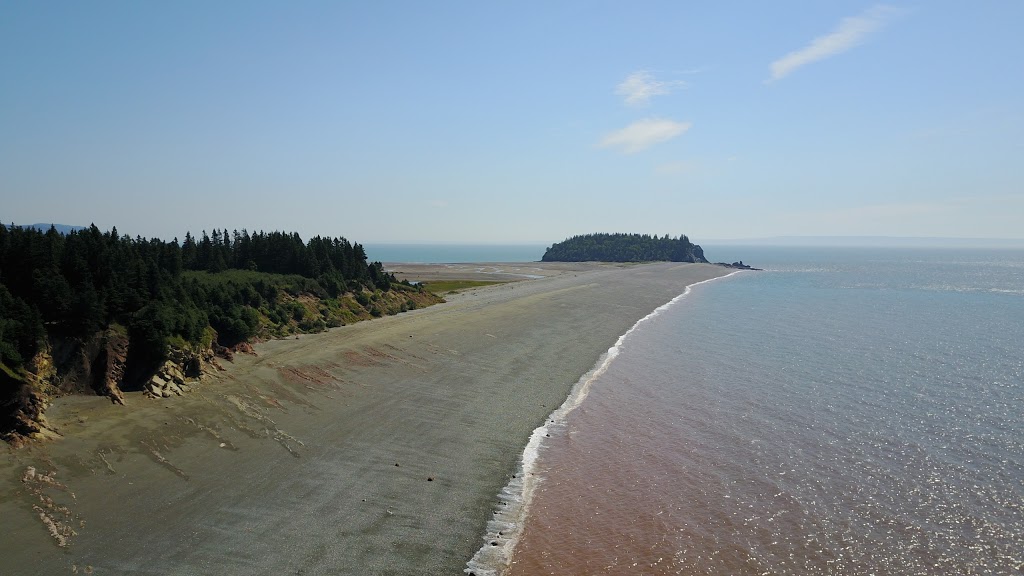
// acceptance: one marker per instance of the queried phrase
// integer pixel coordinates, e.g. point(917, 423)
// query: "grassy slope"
point(298, 308)
point(446, 286)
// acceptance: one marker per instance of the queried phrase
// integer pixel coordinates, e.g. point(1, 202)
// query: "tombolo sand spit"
point(376, 448)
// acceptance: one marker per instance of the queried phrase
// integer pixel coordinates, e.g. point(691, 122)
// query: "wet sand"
point(376, 448)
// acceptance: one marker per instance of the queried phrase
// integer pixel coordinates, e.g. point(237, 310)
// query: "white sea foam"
point(1006, 291)
point(504, 529)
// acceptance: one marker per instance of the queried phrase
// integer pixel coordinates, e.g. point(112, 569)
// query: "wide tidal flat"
point(376, 448)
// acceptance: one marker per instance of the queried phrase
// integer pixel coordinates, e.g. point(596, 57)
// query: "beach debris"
point(283, 438)
point(56, 518)
point(49, 479)
point(59, 531)
point(249, 409)
point(103, 458)
point(430, 478)
point(223, 443)
point(163, 461)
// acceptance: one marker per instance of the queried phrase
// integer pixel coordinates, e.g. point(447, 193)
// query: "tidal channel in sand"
point(376, 448)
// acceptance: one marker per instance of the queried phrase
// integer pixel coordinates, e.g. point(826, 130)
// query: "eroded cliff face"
point(103, 364)
point(97, 365)
point(182, 370)
point(92, 365)
point(21, 409)
point(109, 366)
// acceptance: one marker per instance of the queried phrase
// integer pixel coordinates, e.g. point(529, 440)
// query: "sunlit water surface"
point(845, 412)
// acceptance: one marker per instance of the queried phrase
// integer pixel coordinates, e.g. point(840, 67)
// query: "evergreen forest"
point(221, 287)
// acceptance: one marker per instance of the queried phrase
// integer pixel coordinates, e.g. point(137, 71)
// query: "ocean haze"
point(453, 253)
point(873, 241)
point(438, 252)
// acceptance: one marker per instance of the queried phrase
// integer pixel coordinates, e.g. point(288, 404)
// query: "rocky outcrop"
point(103, 363)
point(180, 372)
point(245, 348)
point(24, 396)
point(95, 365)
point(109, 366)
point(21, 412)
point(42, 369)
point(62, 366)
point(737, 265)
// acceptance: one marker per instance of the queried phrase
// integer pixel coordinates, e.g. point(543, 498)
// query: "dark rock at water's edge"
point(737, 265)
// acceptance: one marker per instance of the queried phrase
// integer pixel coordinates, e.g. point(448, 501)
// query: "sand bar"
point(376, 448)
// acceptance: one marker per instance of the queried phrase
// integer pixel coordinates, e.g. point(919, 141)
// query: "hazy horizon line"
point(779, 240)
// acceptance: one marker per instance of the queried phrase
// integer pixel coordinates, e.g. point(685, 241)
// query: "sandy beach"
point(375, 448)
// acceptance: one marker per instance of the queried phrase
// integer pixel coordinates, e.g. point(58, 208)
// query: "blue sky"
point(488, 122)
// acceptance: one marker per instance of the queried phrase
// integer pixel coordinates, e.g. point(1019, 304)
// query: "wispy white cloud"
point(639, 87)
point(850, 32)
point(643, 134)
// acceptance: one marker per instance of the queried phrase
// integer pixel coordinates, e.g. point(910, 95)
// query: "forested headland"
point(624, 248)
point(92, 311)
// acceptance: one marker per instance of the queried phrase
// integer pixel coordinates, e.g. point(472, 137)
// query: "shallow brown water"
point(836, 419)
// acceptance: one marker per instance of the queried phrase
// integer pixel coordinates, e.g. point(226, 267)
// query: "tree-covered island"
point(624, 248)
point(630, 248)
point(98, 312)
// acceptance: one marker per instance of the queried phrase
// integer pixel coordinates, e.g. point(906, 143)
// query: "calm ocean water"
point(848, 411)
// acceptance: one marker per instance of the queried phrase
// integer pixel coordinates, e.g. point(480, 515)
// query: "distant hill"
point(624, 248)
point(62, 228)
